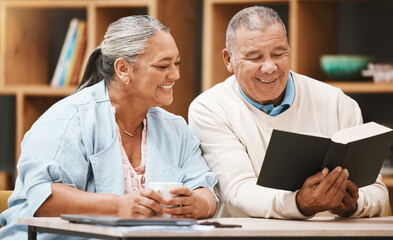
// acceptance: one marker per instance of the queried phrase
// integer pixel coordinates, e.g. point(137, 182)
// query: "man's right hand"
point(323, 191)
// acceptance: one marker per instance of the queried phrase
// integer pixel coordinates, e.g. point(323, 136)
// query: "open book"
point(291, 157)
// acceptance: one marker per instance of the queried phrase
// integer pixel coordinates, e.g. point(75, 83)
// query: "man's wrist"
point(350, 212)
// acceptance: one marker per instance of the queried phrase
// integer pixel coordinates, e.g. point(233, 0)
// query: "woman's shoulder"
point(70, 105)
point(162, 121)
point(163, 115)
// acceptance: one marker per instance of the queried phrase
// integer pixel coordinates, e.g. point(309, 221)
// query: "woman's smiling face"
point(157, 70)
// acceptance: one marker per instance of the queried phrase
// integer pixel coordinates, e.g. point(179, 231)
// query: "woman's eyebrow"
point(167, 58)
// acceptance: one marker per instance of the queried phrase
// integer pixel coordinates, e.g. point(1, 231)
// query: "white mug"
point(164, 188)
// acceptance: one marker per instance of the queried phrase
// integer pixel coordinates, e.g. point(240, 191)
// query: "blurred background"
point(33, 34)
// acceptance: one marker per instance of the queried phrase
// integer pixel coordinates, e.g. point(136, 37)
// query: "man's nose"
point(268, 66)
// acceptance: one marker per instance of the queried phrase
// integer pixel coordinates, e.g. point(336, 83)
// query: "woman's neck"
point(129, 110)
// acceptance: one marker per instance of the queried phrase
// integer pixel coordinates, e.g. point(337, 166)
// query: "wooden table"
point(252, 228)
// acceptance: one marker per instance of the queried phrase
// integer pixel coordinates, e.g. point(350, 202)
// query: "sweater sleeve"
point(228, 158)
point(373, 199)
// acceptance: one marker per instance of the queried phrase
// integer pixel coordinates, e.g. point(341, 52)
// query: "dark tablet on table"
point(122, 221)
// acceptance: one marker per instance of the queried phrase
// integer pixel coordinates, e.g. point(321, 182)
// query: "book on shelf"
point(77, 57)
point(68, 64)
point(292, 157)
point(55, 82)
point(379, 71)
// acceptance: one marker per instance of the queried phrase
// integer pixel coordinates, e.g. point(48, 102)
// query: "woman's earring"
point(127, 81)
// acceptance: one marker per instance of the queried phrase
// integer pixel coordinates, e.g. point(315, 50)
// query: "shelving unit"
point(27, 33)
point(363, 87)
point(312, 27)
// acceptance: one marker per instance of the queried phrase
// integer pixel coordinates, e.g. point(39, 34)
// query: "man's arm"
point(228, 158)
point(373, 199)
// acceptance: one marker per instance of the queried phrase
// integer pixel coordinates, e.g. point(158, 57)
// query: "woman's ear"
point(226, 55)
point(122, 70)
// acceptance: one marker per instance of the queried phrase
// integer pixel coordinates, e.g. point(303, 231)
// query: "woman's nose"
point(174, 73)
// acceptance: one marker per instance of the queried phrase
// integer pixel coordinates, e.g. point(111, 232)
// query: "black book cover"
point(291, 158)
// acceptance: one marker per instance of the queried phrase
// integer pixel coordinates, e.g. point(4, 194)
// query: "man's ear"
point(226, 55)
point(122, 70)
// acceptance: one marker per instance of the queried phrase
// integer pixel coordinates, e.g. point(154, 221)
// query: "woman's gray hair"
point(252, 18)
point(126, 38)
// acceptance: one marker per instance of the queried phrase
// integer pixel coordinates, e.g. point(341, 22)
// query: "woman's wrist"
point(208, 206)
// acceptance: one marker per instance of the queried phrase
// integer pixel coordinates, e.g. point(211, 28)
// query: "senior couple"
point(95, 151)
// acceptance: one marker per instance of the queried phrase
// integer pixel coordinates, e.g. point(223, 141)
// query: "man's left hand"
point(348, 202)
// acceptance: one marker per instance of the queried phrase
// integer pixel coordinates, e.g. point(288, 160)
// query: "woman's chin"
point(164, 102)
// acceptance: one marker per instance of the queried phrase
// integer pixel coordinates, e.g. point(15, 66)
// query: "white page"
point(359, 132)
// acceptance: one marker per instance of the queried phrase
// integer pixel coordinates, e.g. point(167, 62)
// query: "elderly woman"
point(96, 150)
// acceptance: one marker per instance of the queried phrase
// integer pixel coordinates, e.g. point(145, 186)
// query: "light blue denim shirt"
point(75, 142)
point(270, 109)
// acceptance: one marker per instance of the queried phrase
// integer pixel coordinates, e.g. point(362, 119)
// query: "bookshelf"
point(314, 28)
point(32, 33)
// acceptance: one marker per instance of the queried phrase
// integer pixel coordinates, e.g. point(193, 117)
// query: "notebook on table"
point(123, 221)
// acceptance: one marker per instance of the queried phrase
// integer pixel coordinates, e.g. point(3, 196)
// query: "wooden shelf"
point(36, 90)
point(363, 87)
point(26, 47)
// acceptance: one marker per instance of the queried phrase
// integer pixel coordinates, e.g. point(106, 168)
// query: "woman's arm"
point(69, 200)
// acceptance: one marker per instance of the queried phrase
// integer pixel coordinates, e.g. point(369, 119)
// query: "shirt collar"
point(285, 104)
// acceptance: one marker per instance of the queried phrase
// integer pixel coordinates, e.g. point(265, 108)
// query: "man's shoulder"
point(223, 91)
point(321, 93)
point(304, 80)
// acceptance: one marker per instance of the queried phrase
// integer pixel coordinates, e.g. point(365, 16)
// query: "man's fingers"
point(340, 183)
point(317, 178)
point(330, 180)
point(352, 190)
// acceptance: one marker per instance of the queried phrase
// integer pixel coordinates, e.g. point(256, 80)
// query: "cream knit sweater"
point(234, 137)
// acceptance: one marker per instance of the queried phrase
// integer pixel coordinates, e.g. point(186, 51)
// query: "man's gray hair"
point(252, 18)
point(126, 38)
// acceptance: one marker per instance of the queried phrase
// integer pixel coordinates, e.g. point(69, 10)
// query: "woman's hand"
point(140, 203)
point(199, 203)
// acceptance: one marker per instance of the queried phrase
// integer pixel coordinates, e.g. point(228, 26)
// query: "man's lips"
point(267, 81)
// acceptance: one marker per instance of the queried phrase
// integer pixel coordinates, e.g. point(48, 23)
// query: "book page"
point(359, 132)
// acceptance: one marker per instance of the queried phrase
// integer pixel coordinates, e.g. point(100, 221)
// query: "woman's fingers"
point(185, 191)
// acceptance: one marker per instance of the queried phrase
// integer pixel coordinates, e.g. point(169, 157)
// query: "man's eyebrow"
point(253, 52)
point(282, 48)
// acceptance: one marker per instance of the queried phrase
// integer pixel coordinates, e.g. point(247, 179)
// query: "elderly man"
point(234, 121)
